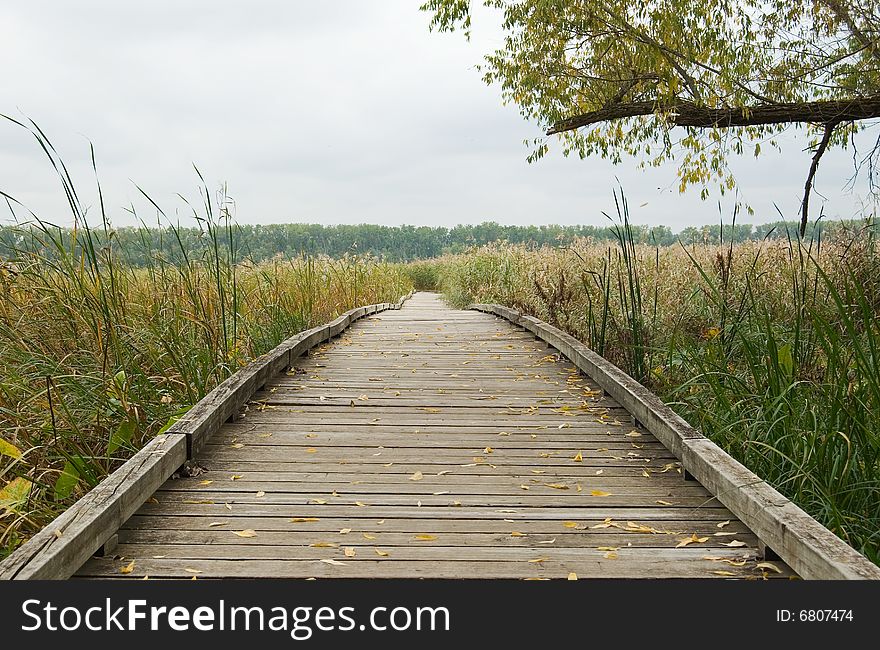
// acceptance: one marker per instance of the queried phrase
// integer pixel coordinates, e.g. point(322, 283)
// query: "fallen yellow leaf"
point(572, 576)
point(128, 568)
point(768, 565)
point(349, 551)
point(245, 533)
point(599, 493)
point(381, 553)
point(693, 539)
point(425, 538)
point(416, 477)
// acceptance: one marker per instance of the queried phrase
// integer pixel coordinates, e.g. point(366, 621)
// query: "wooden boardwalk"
point(437, 443)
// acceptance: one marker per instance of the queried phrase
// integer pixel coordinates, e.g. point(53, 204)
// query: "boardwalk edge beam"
point(809, 548)
point(64, 545)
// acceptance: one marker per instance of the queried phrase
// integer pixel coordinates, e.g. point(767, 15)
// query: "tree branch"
point(846, 18)
point(686, 113)
point(823, 145)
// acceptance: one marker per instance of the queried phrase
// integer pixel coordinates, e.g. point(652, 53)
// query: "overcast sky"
point(333, 112)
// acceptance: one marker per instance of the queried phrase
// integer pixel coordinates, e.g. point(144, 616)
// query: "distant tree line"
point(138, 246)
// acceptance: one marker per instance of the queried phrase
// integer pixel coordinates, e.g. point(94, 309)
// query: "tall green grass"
point(424, 275)
point(771, 348)
point(97, 356)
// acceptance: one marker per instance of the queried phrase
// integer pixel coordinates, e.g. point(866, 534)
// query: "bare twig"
point(823, 145)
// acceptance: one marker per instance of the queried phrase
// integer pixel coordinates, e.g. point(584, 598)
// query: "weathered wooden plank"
point(332, 475)
point(272, 417)
point(802, 542)
point(433, 462)
point(548, 429)
point(375, 400)
point(438, 449)
point(446, 536)
point(434, 550)
point(450, 511)
point(650, 566)
point(443, 484)
point(566, 438)
point(330, 472)
point(585, 528)
point(59, 549)
point(547, 466)
point(632, 498)
point(558, 443)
